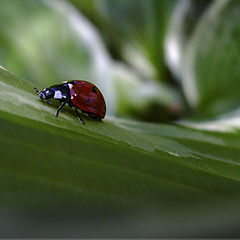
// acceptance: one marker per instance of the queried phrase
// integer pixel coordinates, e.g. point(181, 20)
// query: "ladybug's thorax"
point(60, 92)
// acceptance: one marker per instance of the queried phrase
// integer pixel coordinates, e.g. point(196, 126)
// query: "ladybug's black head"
point(46, 93)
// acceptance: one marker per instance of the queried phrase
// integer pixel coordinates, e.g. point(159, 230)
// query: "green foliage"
point(211, 72)
point(133, 28)
point(45, 158)
point(122, 166)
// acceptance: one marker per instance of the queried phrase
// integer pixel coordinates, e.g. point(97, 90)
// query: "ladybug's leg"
point(60, 108)
point(79, 118)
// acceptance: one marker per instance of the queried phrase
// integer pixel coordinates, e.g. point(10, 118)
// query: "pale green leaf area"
point(211, 68)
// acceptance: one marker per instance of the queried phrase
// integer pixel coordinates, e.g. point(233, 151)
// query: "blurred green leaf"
point(33, 50)
point(146, 100)
point(133, 30)
point(211, 71)
point(47, 160)
point(182, 23)
point(55, 42)
point(52, 43)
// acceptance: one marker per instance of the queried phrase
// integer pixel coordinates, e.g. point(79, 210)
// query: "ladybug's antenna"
point(37, 91)
point(40, 94)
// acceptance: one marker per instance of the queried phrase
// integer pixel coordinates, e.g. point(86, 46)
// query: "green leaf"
point(211, 68)
point(48, 161)
point(181, 26)
point(134, 30)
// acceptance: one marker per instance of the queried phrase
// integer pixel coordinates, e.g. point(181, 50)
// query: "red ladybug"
point(78, 94)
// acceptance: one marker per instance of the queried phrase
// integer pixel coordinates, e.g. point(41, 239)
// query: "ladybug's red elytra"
point(78, 94)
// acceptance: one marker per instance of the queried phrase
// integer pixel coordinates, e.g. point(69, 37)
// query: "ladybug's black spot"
point(88, 101)
point(94, 89)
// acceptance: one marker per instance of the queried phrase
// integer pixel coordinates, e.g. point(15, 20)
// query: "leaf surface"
point(48, 161)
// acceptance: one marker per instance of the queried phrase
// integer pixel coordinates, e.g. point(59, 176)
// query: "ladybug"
point(78, 94)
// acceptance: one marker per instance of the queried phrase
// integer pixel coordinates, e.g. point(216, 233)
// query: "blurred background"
point(139, 53)
point(153, 60)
